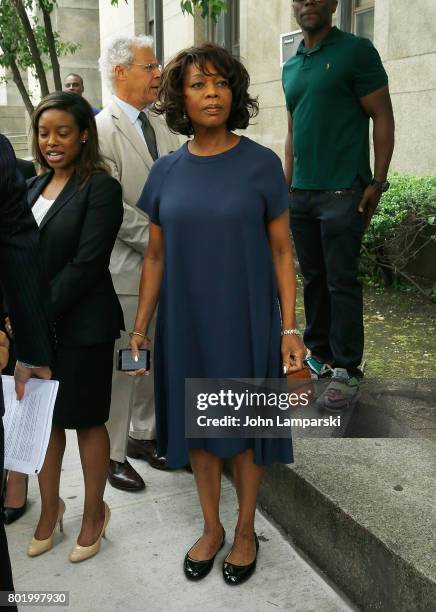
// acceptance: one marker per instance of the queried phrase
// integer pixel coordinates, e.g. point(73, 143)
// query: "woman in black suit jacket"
point(78, 207)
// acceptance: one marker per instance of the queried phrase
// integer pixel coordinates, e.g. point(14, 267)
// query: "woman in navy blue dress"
point(219, 261)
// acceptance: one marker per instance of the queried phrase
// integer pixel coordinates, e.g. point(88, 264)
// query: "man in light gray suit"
point(131, 138)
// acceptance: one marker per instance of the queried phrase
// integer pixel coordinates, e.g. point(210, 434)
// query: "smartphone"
point(126, 363)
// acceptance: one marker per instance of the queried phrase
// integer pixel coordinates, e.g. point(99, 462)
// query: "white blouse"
point(40, 208)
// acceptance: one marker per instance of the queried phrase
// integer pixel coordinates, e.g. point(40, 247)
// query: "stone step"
point(362, 509)
point(17, 138)
point(20, 144)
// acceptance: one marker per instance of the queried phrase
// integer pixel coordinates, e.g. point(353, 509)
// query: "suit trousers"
point(327, 230)
point(132, 398)
point(6, 583)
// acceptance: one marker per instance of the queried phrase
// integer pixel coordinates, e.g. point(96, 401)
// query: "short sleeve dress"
point(218, 314)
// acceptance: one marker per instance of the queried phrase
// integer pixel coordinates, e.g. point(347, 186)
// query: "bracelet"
point(140, 334)
point(291, 332)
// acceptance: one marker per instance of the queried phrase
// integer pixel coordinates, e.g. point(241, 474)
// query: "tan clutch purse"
point(300, 381)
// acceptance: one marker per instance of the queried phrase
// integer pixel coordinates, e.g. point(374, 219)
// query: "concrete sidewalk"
point(140, 563)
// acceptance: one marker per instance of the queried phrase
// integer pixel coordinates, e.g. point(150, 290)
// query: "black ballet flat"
point(237, 574)
point(196, 570)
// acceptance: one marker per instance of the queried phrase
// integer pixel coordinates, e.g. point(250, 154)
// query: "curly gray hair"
point(119, 51)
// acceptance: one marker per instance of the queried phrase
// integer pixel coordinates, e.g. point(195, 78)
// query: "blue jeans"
point(327, 230)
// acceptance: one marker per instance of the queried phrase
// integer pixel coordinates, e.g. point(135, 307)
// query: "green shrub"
point(403, 224)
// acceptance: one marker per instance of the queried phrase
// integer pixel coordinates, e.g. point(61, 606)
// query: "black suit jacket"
point(76, 239)
point(27, 168)
point(21, 276)
point(21, 281)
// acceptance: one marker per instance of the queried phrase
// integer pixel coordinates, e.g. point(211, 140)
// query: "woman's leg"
point(207, 470)
point(94, 455)
point(247, 476)
point(15, 490)
point(49, 479)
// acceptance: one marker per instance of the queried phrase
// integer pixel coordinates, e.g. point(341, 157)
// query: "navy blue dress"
point(218, 314)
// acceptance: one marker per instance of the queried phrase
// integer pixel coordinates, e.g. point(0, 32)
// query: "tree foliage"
point(403, 226)
point(214, 8)
point(30, 42)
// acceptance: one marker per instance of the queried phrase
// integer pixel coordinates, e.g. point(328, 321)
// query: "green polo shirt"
point(330, 129)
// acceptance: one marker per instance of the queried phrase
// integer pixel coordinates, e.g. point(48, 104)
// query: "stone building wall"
point(78, 21)
point(405, 36)
point(261, 26)
point(178, 29)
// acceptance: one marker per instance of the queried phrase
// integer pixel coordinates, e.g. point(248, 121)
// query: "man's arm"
point(22, 279)
point(134, 229)
point(135, 226)
point(289, 153)
point(378, 106)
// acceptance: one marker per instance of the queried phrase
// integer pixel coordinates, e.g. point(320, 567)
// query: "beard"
point(312, 25)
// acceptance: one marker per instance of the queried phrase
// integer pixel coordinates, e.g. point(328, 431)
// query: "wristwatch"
point(380, 186)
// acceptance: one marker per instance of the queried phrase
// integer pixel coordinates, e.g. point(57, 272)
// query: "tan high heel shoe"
point(37, 547)
point(80, 553)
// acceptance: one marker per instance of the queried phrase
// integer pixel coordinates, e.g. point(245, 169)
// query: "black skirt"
point(85, 384)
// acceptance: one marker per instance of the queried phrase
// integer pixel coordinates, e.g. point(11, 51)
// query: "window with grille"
point(154, 25)
point(363, 18)
point(357, 16)
point(225, 31)
point(150, 18)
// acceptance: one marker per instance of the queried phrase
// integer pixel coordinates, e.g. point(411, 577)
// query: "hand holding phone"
point(139, 342)
point(127, 363)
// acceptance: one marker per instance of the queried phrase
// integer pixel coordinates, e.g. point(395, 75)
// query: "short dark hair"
point(74, 74)
point(90, 160)
point(171, 99)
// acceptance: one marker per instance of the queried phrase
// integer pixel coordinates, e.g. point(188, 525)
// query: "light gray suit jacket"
point(130, 161)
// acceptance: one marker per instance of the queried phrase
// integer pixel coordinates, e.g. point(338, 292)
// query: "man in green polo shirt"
point(333, 86)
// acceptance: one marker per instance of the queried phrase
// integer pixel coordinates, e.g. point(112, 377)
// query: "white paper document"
point(28, 423)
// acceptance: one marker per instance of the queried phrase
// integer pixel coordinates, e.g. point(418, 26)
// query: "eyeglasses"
point(149, 67)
